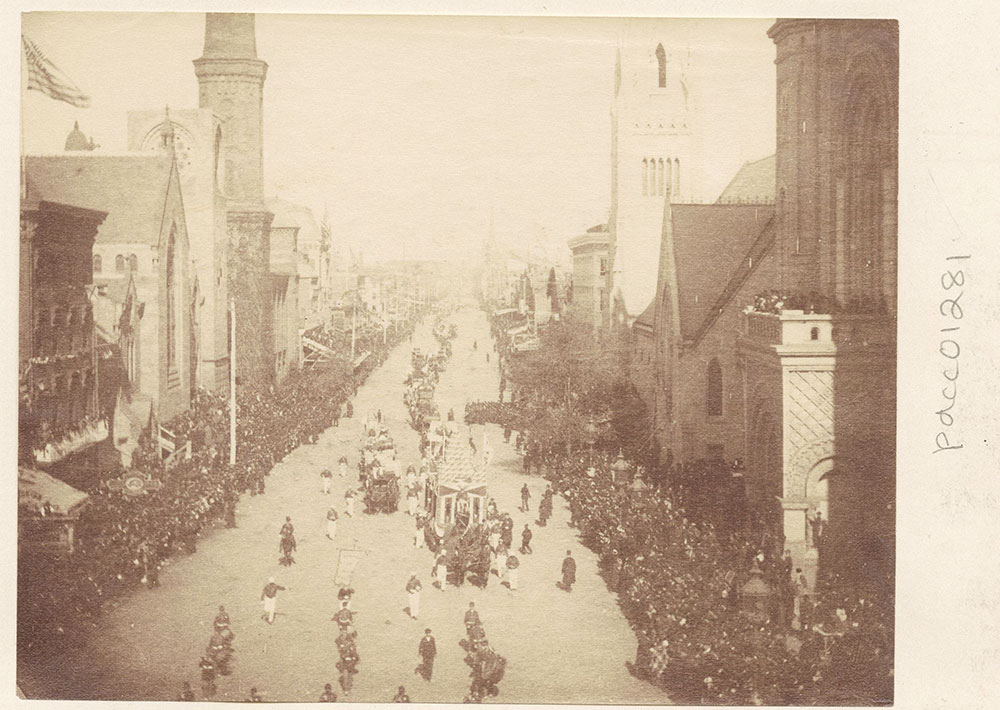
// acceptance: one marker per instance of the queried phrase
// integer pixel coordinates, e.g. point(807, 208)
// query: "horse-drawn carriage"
point(457, 504)
point(382, 493)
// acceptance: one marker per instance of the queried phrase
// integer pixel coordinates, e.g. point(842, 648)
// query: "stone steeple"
point(231, 83)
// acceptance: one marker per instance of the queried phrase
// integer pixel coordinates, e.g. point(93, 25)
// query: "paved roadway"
point(561, 648)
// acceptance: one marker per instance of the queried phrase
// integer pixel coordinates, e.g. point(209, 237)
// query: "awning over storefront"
point(36, 488)
point(504, 312)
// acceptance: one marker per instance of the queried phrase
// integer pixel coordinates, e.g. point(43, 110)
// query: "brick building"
point(144, 240)
point(775, 323)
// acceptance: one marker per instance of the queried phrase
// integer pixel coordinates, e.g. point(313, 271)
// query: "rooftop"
point(753, 183)
point(131, 188)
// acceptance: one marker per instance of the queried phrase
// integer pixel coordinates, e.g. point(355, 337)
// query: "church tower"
point(655, 151)
point(231, 85)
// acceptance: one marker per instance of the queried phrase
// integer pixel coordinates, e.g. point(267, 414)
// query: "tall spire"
point(230, 35)
point(231, 83)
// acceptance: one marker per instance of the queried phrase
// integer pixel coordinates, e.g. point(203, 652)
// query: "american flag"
point(46, 77)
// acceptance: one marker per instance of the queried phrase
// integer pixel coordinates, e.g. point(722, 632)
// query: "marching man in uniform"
point(427, 650)
point(568, 572)
point(512, 564)
point(270, 598)
point(413, 592)
point(327, 478)
point(349, 500)
point(441, 569)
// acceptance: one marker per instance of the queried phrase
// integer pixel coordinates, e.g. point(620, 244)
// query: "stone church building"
point(774, 324)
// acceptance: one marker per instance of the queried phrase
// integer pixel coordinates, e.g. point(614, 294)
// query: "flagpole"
point(232, 382)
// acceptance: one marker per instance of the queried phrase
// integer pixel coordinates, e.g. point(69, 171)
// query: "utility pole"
point(232, 381)
point(354, 323)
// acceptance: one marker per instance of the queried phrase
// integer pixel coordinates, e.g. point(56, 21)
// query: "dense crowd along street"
point(467, 449)
point(154, 640)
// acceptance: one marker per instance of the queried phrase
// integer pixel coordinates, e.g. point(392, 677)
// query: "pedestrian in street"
point(413, 588)
point(525, 497)
point(411, 501)
point(331, 523)
point(342, 466)
point(207, 676)
point(349, 501)
point(326, 477)
point(512, 564)
point(380, 416)
point(487, 358)
point(344, 618)
point(441, 569)
point(401, 696)
point(255, 697)
point(187, 695)
point(221, 619)
point(418, 532)
point(427, 651)
point(328, 695)
point(471, 617)
point(506, 433)
point(270, 598)
point(501, 561)
point(568, 571)
point(526, 540)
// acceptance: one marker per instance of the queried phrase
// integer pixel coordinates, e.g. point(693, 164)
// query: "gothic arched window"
point(659, 184)
point(171, 300)
point(97, 263)
point(120, 263)
point(713, 389)
point(661, 60)
point(677, 176)
point(133, 262)
point(645, 176)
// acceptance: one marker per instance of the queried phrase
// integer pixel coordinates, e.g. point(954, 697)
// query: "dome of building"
point(76, 140)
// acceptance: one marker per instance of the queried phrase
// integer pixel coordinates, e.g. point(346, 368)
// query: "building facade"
point(144, 239)
point(775, 321)
point(591, 264)
point(58, 408)
point(655, 151)
point(197, 143)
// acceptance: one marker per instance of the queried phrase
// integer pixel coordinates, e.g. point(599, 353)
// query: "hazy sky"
point(410, 129)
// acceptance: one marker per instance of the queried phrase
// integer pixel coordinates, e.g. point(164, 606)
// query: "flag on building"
point(46, 77)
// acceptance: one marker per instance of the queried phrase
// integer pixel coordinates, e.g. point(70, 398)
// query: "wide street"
point(560, 647)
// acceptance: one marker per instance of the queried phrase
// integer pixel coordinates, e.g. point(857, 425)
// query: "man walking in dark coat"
point(526, 540)
point(568, 572)
point(525, 496)
point(427, 651)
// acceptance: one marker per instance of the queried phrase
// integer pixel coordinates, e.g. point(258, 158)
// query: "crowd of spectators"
point(679, 563)
point(775, 302)
point(123, 541)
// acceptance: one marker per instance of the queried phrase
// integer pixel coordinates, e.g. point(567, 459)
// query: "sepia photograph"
point(444, 359)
